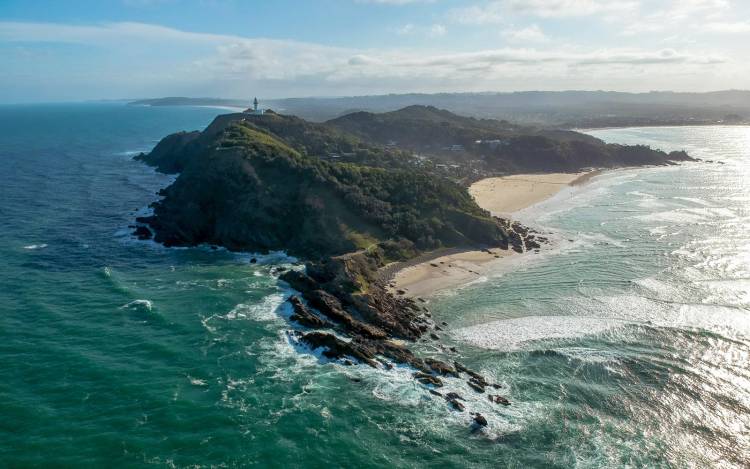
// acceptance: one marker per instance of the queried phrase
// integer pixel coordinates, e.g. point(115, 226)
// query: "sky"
point(112, 49)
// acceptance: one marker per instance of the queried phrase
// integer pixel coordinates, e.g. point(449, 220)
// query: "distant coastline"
point(220, 103)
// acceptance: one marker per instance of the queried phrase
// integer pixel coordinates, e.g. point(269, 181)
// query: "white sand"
point(500, 196)
point(447, 271)
point(504, 195)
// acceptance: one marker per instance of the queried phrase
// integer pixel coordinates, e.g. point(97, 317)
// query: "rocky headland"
point(349, 205)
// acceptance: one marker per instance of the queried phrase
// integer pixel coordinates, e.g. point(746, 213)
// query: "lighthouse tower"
point(254, 111)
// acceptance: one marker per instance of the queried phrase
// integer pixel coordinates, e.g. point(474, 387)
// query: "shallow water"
point(628, 345)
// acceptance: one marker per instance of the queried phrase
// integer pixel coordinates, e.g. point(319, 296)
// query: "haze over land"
point(151, 48)
point(558, 109)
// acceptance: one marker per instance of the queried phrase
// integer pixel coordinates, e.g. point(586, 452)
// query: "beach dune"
point(501, 196)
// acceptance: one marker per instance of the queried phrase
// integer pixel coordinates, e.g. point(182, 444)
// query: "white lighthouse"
point(255, 111)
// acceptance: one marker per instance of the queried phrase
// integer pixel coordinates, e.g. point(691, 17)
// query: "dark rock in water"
point(480, 420)
point(401, 292)
point(440, 367)
point(444, 323)
point(425, 378)
point(473, 374)
point(434, 393)
point(454, 396)
point(479, 380)
point(434, 336)
point(305, 317)
point(456, 405)
point(531, 244)
point(142, 233)
point(253, 260)
point(337, 348)
point(496, 386)
point(438, 328)
point(497, 399)
point(475, 386)
point(453, 349)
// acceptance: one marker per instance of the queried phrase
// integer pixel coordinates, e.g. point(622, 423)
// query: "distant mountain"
point(547, 108)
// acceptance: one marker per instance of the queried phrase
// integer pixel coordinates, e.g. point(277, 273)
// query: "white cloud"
point(498, 11)
point(437, 30)
point(678, 15)
point(490, 13)
point(405, 29)
point(434, 30)
point(198, 63)
point(566, 8)
point(739, 27)
point(394, 2)
point(528, 34)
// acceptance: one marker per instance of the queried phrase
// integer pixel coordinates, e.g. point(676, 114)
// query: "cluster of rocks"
point(351, 316)
point(522, 238)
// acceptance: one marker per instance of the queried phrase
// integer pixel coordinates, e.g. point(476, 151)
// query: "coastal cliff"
point(347, 206)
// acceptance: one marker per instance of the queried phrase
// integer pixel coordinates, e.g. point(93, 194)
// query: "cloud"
point(106, 32)
point(394, 2)
point(739, 27)
point(498, 11)
point(662, 57)
point(490, 13)
point(567, 8)
point(678, 14)
point(405, 29)
point(153, 60)
point(437, 30)
point(434, 30)
point(528, 34)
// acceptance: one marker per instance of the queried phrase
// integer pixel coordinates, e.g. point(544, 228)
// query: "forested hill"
point(489, 146)
point(246, 188)
point(422, 138)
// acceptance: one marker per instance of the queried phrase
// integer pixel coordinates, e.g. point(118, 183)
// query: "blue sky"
point(72, 50)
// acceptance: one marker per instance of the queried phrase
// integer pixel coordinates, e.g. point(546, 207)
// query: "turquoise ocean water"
point(625, 343)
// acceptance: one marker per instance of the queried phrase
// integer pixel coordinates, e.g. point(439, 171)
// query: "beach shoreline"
point(446, 269)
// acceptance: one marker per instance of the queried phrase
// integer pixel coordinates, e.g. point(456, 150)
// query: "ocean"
point(626, 342)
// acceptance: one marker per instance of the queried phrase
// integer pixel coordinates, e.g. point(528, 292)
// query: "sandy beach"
point(502, 196)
